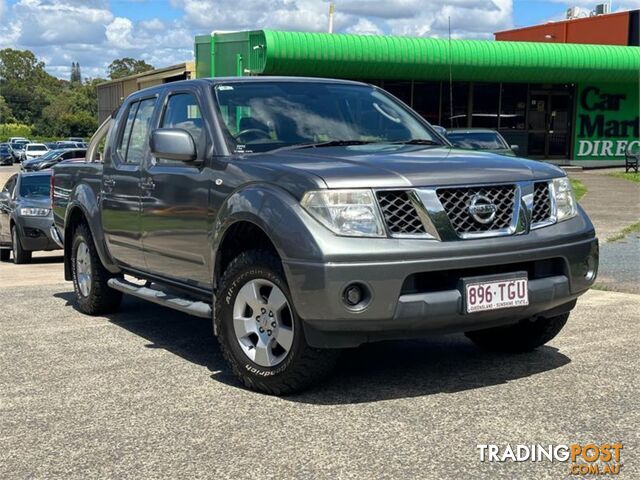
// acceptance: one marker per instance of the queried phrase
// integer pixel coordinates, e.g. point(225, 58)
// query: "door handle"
point(147, 184)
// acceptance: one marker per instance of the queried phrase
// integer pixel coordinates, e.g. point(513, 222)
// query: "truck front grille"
point(399, 213)
point(541, 203)
point(456, 203)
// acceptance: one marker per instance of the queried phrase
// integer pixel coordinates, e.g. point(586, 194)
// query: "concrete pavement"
point(612, 203)
point(145, 394)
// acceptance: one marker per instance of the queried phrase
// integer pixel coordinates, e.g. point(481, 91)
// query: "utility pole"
point(332, 11)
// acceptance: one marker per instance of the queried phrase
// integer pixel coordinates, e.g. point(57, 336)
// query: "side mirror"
point(173, 144)
point(515, 148)
point(5, 197)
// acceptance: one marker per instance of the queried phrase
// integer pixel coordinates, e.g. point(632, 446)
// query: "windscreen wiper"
point(417, 141)
point(330, 143)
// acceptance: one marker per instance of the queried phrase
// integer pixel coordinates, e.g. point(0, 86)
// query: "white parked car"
point(35, 150)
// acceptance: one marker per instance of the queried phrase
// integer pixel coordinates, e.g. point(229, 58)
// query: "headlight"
point(346, 212)
point(34, 212)
point(565, 201)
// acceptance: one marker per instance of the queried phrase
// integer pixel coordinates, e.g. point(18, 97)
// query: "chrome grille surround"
point(543, 207)
point(517, 211)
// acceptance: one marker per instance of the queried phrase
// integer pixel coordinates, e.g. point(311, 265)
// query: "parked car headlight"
point(34, 212)
point(565, 201)
point(346, 212)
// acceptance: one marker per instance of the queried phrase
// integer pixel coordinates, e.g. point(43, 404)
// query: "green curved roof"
point(392, 57)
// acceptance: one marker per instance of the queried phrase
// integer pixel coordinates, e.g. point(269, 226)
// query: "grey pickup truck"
point(304, 216)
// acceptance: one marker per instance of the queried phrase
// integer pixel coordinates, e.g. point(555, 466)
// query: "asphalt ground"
point(145, 394)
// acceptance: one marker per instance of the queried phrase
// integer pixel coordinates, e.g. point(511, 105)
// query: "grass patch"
point(578, 188)
point(634, 177)
point(634, 228)
point(602, 287)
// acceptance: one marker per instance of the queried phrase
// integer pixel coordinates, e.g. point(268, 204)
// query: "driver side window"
point(183, 112)
point(10, 185)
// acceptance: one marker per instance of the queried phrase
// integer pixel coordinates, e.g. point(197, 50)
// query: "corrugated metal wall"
point(391, 57)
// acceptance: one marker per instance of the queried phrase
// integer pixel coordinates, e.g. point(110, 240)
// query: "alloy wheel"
point(263, 322)
point(83, 269)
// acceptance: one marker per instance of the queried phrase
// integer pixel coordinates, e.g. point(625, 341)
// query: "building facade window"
point(513, 106)
point(426, 100)
point(486, 100)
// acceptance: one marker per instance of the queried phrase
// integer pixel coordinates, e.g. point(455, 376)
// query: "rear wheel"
point(260, 334)
point(521, 337)
point(20, 255)
point(93, 295)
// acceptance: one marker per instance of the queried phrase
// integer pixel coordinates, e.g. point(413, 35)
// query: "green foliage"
point(123, 67)
point(6, 115)
point(35, 104)
point(76, 76)
point(632, 176)
point(579, 188)
point(8, 130)
point(24, 84)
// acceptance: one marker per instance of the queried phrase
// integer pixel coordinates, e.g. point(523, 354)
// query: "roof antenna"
point(450, 79)
point(332, 11)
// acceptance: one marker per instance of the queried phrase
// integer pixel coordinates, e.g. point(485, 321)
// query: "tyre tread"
point(102, 298)
point(312, 364)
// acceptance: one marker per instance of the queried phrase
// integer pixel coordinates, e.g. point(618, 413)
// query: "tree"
point(25, 85)
point(6, 115)
point(76, 76)
point(123, 67)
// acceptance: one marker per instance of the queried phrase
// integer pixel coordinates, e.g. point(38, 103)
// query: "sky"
point(161, 32)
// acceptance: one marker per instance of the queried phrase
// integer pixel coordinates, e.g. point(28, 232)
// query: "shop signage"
point(607, 121)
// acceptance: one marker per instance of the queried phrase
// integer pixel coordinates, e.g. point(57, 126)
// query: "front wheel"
point(259, 332)
point(521, 337)
point(93, 295)
point(20, 255)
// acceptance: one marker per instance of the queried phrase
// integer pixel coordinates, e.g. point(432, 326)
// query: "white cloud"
point(364, 27)
point(65, 31)
point(119, 32)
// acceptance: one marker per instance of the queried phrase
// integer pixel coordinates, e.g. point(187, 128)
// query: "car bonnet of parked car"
point(476, 138)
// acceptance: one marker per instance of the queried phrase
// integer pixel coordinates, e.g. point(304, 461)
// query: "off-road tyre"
point(101, 298)
point(20, 255)
point(524, 336)
point(302, 367)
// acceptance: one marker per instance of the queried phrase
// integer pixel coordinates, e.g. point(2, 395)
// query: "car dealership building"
point(566, 103)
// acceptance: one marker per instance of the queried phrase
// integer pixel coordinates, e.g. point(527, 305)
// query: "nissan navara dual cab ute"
point(304, 216)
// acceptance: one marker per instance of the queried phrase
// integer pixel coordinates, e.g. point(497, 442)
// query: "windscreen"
point(36, 148)
point(35, 186)
point(263, 116)
point(476, 140)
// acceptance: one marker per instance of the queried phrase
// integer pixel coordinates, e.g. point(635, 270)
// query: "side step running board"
point(192, 307)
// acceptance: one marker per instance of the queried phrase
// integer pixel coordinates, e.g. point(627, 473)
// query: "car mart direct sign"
point(607, 121)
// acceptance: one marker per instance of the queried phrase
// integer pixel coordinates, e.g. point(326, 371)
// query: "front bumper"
point(395, 312)
point(35, 233)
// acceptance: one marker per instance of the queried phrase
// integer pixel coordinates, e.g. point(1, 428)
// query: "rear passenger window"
point(182, 111)
point(126, 133)
point(139, 140)
point(135, 137)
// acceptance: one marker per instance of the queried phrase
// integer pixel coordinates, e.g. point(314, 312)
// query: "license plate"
point(481, 296)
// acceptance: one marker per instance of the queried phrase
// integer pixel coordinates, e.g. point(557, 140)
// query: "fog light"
point(590, 268)
point(353, 295)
